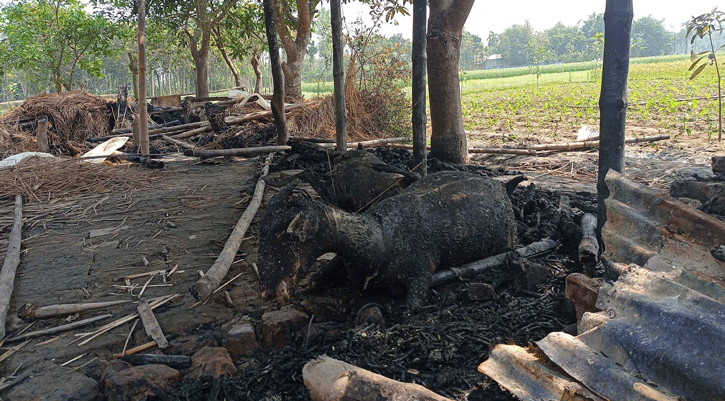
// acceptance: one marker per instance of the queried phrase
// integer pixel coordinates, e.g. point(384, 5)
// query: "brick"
point(240, 340)
point(211, 361)
point(278, 327)
point(583, 291)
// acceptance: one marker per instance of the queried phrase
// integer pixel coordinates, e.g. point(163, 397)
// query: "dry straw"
point(42, 180)
point(72, 116)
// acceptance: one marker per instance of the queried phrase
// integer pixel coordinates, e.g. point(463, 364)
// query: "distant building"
point(493, 61)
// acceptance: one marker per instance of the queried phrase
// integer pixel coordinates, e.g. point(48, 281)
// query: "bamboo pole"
point(142, 111)
point(203, 288)
point(501, 151)
point(12, 260)
point(58, 329)
point(205, 154)
point(30, 312)
point(177, 142)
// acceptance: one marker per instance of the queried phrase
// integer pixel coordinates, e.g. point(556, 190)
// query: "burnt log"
point(443, 220)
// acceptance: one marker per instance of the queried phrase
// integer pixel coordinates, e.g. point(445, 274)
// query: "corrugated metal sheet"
point(660, 334)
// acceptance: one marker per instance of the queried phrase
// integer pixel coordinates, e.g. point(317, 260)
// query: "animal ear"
point(302, 227)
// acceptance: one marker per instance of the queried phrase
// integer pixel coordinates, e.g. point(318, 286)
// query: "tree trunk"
point(296, 48)
point(419, 60)
point(338, 70)
point(232, 67)
point(613, 97)
point(280, 119)
point(445, 28)
point(202, 73)
point(133, 67)
point(257, 72)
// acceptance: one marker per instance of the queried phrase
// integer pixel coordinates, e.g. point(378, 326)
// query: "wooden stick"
point(58, 329)
point(177, 143)
point(42, 135)
point(328, 379)
point(204, 287)
point(14, 381)
point(151, 325)
point(142, 347)
point(30, 312)
point(12, 260)
point(153, 304)
point(205, 154)
point(468, 270)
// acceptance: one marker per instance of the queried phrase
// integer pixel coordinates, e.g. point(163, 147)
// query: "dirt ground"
point(183, 219)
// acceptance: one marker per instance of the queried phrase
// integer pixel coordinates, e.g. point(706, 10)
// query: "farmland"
point(513, 108)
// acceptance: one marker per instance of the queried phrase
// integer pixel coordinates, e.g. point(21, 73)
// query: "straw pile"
point(42, 180)
point(369, 116)
point(72, 116)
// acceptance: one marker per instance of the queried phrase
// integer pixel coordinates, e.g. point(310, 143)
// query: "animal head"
point(291, 238)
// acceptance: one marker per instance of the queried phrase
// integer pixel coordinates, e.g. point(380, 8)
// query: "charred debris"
point(438, 344)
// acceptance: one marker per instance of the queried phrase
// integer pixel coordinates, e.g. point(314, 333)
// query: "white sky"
point(497, 15)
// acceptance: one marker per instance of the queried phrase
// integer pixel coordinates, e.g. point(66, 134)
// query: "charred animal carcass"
point(442, 220)
point(357, 178)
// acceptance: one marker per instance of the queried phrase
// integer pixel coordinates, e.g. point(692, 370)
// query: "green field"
point(565, 96)
point(662, 98)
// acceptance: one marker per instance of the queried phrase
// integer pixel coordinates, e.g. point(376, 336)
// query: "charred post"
point(338, 71)
point(613, 98)
point(419, 71)
point(280, 119)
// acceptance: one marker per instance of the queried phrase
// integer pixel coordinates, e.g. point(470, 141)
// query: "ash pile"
point(452, 327)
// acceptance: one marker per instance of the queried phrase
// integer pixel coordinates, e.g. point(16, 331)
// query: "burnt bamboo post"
point(280, 119)
point(419, 72)
point(613, 98)
point(42, 135)
point(338, 73)
point(142, 112)
point(10, 265)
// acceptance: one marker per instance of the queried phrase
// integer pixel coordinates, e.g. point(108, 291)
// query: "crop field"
point(516, 109)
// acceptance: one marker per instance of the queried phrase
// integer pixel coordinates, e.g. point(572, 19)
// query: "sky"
point(496, 16)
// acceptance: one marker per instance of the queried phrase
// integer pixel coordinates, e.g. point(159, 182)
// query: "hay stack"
point(72, 116)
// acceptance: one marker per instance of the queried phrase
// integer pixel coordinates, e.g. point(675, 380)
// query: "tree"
point(196, 20)
point(242, 33)
point(52, 42)
point(472, 52)
point(650, 38)
point(514, 44)
point(295, 19)
point(445, 29)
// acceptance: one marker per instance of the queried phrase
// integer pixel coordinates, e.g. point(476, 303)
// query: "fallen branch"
point(471, 269)
point(203, 288)
point(32, 311)
point(58, 329)
point(206, 154)
point(328, 379)
point(12, 260)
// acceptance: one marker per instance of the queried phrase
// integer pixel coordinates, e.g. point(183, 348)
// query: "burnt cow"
point(440, 221)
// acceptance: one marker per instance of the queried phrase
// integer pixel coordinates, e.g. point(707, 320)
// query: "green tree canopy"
point(650, 38)
point(51, 42)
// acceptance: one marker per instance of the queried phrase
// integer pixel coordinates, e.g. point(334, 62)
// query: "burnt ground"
point(185, 216)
